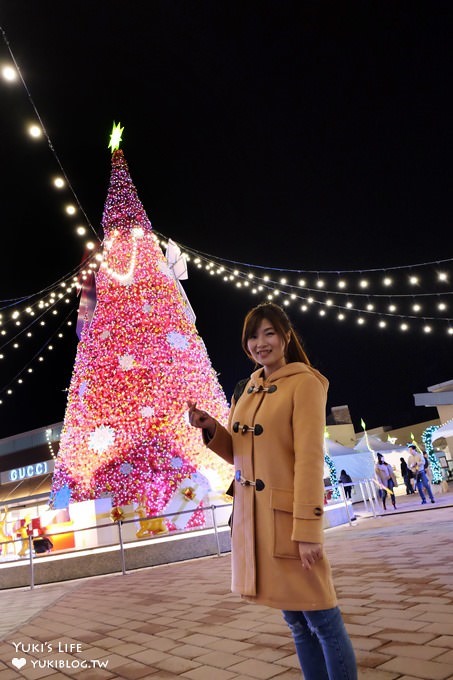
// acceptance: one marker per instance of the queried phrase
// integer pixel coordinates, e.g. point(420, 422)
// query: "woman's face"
point(267, 347)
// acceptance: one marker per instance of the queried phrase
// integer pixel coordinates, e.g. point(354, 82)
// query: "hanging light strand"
point(17, 378)
point(43, 128)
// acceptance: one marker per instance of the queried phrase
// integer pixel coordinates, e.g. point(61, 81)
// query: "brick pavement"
point(393, 575)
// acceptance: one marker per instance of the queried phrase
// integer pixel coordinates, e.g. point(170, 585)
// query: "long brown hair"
point(280, 321)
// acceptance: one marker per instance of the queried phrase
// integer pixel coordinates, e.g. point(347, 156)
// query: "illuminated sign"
point(27, 472)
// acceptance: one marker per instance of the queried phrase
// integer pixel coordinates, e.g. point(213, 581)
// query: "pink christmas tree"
point(139, 359)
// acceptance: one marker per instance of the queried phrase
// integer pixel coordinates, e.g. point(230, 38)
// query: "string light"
point(12, 73)
point(377, 305)
point(429, 448)
point(34, 131)
point(9, 74)
point(36, 309)
point(332, 288)
point(49, 443)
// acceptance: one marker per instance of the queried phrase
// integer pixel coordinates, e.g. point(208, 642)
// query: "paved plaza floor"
point(393, 575)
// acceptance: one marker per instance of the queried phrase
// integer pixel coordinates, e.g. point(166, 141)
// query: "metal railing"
point(121, 542)
point(367, 489)
point(368, 493)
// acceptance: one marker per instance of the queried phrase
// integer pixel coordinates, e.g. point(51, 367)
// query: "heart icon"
point(19, 662)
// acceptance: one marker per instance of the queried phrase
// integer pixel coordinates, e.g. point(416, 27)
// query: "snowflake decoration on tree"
point(176, 462)
point(127, 362)
point(177, 340)
point(101, 438)
point(126, 468)
point(147, 308)
point(147, 412)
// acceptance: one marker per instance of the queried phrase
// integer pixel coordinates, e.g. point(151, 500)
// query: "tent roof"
point(371, 441)
point(336, 449)
point(445, 430)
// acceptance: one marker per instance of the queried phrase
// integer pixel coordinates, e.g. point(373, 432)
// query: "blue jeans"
point(422, 481)
point(322, 644)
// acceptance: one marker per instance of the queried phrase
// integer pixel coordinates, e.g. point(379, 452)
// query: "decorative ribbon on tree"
point(177, 263)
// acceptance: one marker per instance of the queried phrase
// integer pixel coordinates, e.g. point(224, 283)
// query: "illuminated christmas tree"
point(139, 359)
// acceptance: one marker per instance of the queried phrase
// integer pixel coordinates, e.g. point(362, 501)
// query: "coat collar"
point(295, 368)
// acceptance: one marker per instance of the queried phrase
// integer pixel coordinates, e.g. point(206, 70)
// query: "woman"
point(346, 480)
point(386, 480)
point(274, 439)
point(407, 476)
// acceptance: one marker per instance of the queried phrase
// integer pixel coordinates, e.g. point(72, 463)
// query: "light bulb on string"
point(35, 131)
point(9, 74)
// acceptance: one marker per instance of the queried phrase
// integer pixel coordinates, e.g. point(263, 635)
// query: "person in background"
point(275, 440)
point(407, 476)
point(416, 463)
point(427, 468)
point(346, 480)
point(386, 480)
point(5, 537)
point(42, 544)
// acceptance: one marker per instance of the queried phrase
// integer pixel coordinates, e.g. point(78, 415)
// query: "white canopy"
point(336, 449)
point(371, 441)
point(445, 430)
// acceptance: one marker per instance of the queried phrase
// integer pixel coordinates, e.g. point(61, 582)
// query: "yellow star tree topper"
point(115, 137)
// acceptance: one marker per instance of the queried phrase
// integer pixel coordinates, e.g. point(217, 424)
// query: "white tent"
point(358, 464)
point(371, 441)
point(372, 444)
point(336, 449)
point(445, 430)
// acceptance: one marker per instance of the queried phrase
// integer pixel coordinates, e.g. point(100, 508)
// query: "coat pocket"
point(282, 524)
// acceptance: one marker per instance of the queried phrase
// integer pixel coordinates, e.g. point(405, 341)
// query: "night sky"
point(284, 135)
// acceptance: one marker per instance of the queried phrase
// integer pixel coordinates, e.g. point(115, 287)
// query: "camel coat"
point(288, 457)
point(384, 472)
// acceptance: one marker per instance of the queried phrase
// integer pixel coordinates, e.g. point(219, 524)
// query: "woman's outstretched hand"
point(199, 418)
